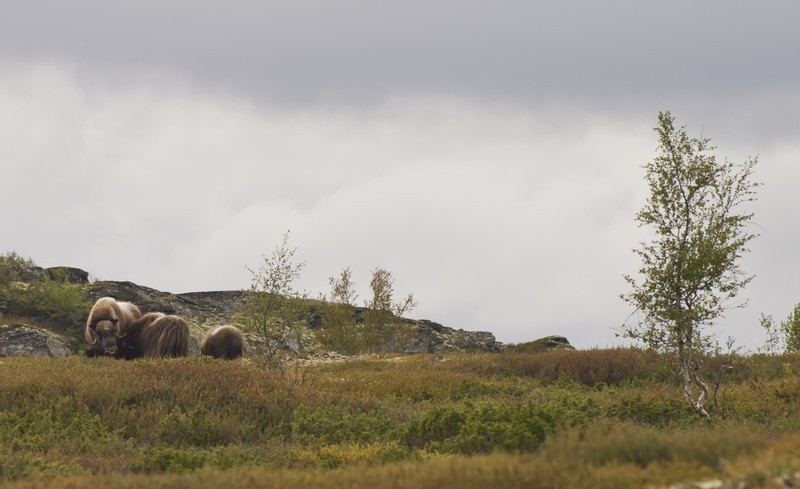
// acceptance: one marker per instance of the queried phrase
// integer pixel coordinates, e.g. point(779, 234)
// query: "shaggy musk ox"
point(107, 319)
point(154, 335)
point(224, 342)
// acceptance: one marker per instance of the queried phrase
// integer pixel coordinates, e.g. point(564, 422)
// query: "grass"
point(597, 418)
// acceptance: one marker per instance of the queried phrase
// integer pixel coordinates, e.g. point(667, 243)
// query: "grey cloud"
point(329, 52)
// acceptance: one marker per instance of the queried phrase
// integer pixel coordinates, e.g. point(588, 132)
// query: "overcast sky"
point(487, 153)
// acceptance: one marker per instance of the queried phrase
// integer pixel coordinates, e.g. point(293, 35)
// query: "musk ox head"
point(107, 321)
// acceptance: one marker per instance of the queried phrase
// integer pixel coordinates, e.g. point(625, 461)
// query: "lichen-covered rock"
point(556, 343)
point(548, 343)
point(68, 274)
point(22, 340)
point(432, 337)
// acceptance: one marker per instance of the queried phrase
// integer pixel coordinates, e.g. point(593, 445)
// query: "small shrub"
point(170, 460)
point(17, 466)
point(183, 460)
point(58, 299)
point(31, 292)
point(335, 456)
point(337, 424)
point(63, 426)
point(194, 428)
point(14, 268)
point(651, 411)
point(339, 331)
point(470, 429)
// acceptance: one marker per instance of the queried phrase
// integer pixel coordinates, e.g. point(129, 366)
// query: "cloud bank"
point(489, 156)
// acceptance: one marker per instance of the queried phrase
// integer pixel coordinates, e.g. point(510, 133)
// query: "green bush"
point(57, 299)
point(183, 460)
point(18, 466)
point(469, 429)
point(337, 424)
point(170, 460)
point(14, 268)
point(64, 426)
point(339, 331)
point(650, 411)
point(193, 428)
point(30, 292)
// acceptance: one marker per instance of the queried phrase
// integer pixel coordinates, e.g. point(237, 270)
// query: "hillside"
point(203, 310)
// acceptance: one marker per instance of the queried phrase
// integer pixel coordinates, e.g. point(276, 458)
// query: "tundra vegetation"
point(593, 418)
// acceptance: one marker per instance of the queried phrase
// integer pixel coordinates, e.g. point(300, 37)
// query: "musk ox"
point(225, 342)
point(154, 335)
point(107, 319)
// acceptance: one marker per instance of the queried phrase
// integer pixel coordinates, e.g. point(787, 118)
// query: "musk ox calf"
point(154, 335)
point(225, 342)
point(107, 320)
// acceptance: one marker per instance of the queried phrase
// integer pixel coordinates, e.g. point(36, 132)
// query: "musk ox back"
point(225, 342)
point(107, 320)
point(155, 335)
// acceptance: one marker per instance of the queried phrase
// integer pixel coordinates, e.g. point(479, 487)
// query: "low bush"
point(470, 428)
point(337, 425)
point(31, 292)
point(62, 426)
point(343, 455)
point(15, 465)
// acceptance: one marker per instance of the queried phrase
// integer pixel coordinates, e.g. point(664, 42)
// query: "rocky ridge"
point(203, 310)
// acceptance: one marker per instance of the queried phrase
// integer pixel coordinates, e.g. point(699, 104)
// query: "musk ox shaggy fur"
point(225, 342)
point(107, 320)
point(154, 335)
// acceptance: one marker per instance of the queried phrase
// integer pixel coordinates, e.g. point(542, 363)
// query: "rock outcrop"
point(432, 337)
point(205, 310)
point(31, 341)
point(548, 343)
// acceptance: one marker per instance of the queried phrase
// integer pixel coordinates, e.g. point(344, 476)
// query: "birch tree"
point(690, 273)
